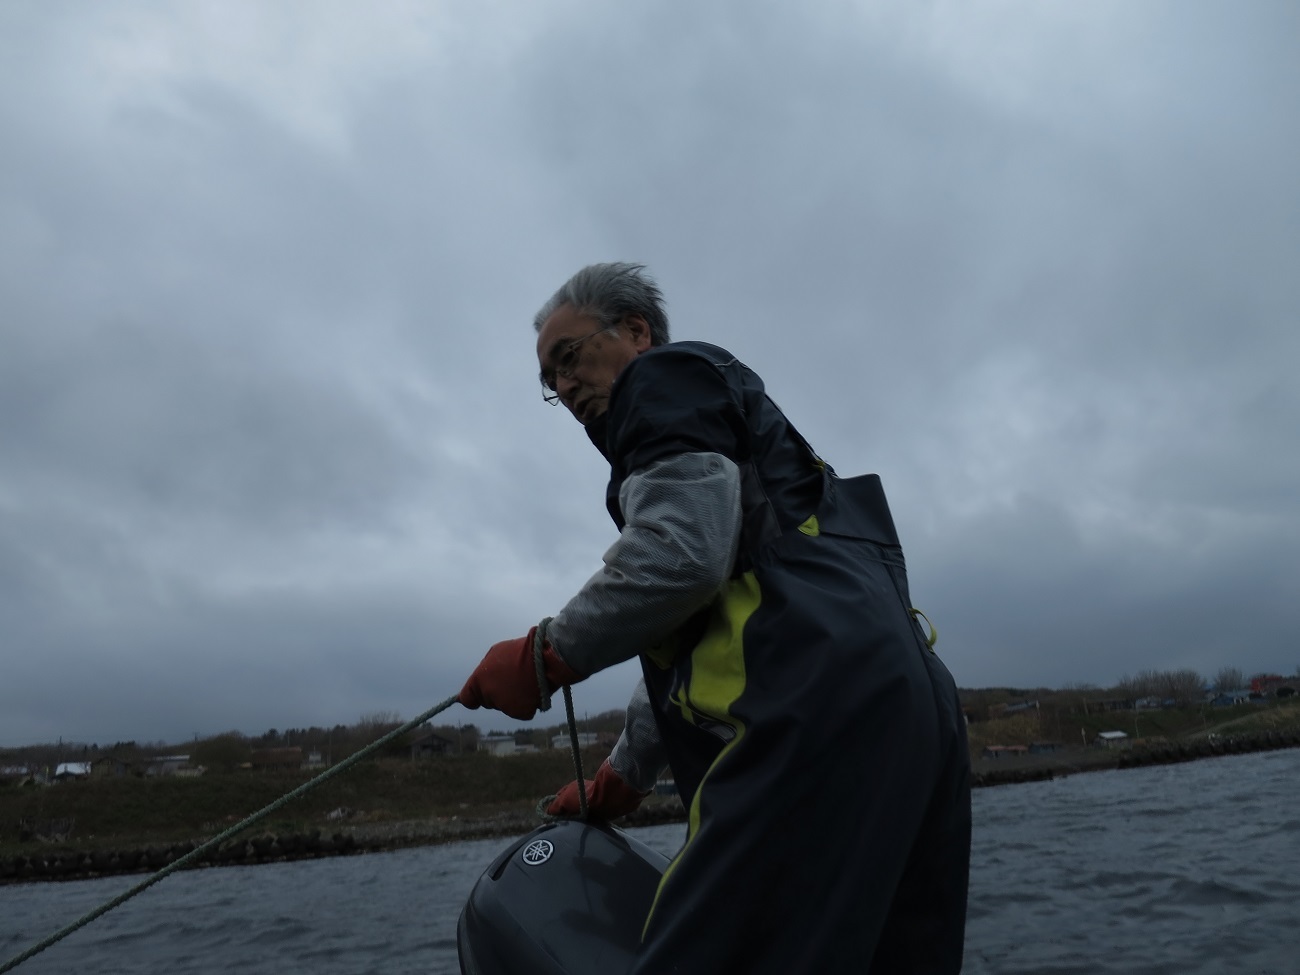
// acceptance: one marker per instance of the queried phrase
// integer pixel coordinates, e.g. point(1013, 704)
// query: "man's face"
point(582, 361)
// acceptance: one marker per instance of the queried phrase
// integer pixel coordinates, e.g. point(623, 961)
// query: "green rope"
point(544, 704)
point(196, 853)
point(577, 756)
point(544, 803)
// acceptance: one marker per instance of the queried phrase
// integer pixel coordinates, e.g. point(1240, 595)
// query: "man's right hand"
point(506, 679)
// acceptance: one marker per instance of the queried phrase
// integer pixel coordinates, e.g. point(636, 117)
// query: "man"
point(814, 736)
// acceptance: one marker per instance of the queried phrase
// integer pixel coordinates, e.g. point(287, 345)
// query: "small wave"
point(1107, 879)
point(280, 931)
point(1013, 897)
point(1215, 891)
point(1159, 812)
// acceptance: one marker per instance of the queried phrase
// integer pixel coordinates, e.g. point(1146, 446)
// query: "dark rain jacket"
point(816, 740)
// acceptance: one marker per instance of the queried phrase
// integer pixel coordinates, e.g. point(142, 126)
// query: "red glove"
point(506, 679)
point(608, 797)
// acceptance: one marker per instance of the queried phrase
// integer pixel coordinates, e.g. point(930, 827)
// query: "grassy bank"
point(125, 811)
point(1076, 728)
point(396, 801)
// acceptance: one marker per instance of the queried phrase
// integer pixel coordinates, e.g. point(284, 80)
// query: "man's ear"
point(639, 329)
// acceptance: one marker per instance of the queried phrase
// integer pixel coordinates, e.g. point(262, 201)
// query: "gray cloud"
point(271, 451)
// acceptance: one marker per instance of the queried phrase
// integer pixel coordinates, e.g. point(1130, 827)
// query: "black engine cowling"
point(569, 898)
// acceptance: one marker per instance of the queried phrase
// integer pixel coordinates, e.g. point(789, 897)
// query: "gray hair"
point(609, 293)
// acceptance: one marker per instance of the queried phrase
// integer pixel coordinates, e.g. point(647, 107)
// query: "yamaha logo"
point(538, 851)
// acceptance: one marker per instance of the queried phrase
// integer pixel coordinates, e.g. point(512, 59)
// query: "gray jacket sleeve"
point(678, 544)
point(639, 756)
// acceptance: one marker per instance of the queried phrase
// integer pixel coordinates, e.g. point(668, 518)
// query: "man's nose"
point(566, 387)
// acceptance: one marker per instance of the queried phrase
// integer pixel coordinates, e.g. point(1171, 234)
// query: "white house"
point(72, 770)
point(166, 764)
point(497, 744)
point(1111, 739)
point(585, 738)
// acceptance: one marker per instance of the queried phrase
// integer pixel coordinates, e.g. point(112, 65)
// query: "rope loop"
point(544, 704)
point(543, 804)
point(933, 637)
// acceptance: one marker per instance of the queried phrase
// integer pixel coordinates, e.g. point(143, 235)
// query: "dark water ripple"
point(1186, 868)
point(1189, 869)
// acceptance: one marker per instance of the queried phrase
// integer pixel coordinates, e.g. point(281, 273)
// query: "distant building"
point(1227, 699)
point(71, 770)
point(1273, 685)
point(1044, 747)
point(1111, 739)
point(432, 743)
point(14, 773)
point(585, 739)
point(1266, 683)
point(166, 764)
point(109, 766)
point(497, 744)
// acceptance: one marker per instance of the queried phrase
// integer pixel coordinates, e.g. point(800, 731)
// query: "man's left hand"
point(506, 679)
point(608, 797)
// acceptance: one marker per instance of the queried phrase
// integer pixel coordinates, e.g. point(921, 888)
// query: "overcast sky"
point(272, 448)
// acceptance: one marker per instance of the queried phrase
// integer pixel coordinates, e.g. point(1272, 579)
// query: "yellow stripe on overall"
point(716, 683)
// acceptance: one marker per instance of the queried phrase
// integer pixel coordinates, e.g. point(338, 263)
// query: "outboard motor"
point(569, 898)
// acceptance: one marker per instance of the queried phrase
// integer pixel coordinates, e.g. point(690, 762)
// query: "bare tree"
point(1130, 687)
point(380, 719)
point(1186, 687)
point(1229, 679)
point(376, 724)
point(1147, 683)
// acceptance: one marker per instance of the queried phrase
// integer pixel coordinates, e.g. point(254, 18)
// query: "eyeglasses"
point(566, 363)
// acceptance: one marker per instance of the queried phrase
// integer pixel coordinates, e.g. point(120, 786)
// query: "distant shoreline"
point(1034, 768)
point(69, 864)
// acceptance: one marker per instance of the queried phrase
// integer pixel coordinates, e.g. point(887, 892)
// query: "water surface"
point(1186, 869)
